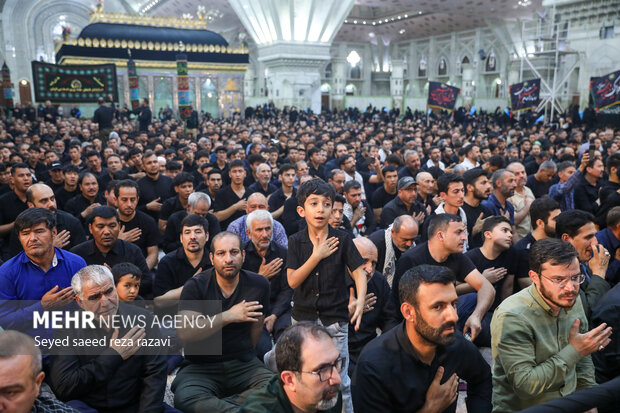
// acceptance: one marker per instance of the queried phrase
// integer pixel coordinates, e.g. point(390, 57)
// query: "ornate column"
point(396, 82)
point(248, 82)
point(467, 89)
point(339, 79)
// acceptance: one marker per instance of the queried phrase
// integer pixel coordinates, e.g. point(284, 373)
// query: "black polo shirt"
point(472, 214)
point(236, 338)
point(280, 292)
point(150, 236)
point(508, 259)
point(224, 199)
point(460, 264)
point(173, 230)
point(10, 207)
point(105, 179)
point(150, 189)
point(169, 207)
point(380, 197)
point(277, 199)
point(55, 187)
point(290, 219)
point(390, 377)
point(324, 293)
point(63, 196)
point(122, 251)
point(396, 208)
point(76, 205)
point(257, 187)
point(174, 270)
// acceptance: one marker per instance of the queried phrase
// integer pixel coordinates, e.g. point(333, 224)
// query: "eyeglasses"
point(562, 281)
point(325, 373)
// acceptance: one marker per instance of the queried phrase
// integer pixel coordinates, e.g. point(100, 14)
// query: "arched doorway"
point(209, 98)
point(325, 89)
point(25, 94)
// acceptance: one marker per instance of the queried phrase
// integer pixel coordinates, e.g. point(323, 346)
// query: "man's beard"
point(550, 232)
point(546, 295)
point(479, 195)
point(326, 404)
point(434, 335)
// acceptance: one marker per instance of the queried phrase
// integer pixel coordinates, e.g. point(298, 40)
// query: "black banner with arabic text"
point(605, 90)
point(442, 96)
point(525, 95)
point(83, 83)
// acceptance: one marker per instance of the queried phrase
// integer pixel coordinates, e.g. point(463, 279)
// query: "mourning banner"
point(525, 95)
point(442, 96)
point(83, 83)
point(605, 90)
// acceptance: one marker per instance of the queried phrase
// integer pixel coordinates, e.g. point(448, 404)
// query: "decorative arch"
point(491, 63)
point(442, 66)
point(463, 61)
point(422, 67)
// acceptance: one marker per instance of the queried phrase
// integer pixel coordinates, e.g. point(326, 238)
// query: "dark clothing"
point(396, 208)
point(257, 187)
point(122, 251)
point(607, 189)
point(378, 238)
point(381, 197)
point(324, 293)
point(369, 225)
point(63, 196)
point(280, 292)
point(273, 399)
point(225, 198)
point(607, 239)
point(316, 172)
point(391, 378)
point(235, 337)
point(290, 219)
point(472, 214)
point(144, 118)
point(151, 189)
point(586, 196)
point(174, 270)
point(591, 290)
point(47, 405)
point(104, 115)
point(76, 205)
point(460, 265)
point(173, 230)
point(494, 206)
point(507, 259)
point(150, 236)
point(169, 207)
point(539, 189)
point(404, 171)
point(105, 381)
point(277, 200)
point(522, 247)
point(607, 361)
point(11, 207)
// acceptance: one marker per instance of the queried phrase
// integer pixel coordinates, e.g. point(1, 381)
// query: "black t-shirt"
point(460, 265)
point(169, 207)
point(539, 189)
point(507, 259)
point(236, 338)
point(174, 270)
point(122, 251)
point(277, 199)
point(380, 197)
point(150, 232)
point(63, 196)
point(225, 197)
point(150, 189)
point(523, 247)
point(324, 293)
point(173, 230)
point(472, 214)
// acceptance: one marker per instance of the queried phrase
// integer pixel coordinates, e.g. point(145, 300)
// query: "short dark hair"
point(33, 216)
point(235, 164)
point(224, 234)
point(428, 274)
point(570, 222)
point(124, 268)
point(491, 222)
point(613, 161)
point(553, 251)
point(440, 222)
point(352, 184)
point(194, 219)
point(103, 211)
point(565, 165)
point(214, 171)
point(498, 161)
point(613, 216)
point(389, 168)
point(254, 158)
point(313, 150)
point(70, 168)
point(174, 166)
point(182, 178)
point(126, 183)
point(470, 177)
point(541, 209)
point(444, 181)
point(314, 187)
point(339, 198)
point(93, 153)
point(343, 159)
point(286, 167)
point(18, 165)
point(84, 175)
point(288, 347)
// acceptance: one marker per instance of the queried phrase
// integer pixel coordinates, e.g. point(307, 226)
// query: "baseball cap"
point(405, 182)
point(55, 166)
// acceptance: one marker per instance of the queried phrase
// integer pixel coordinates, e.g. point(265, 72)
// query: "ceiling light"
point(373, 23)
point(406, 16)
point(364, 22)
point(353, 58)
point(386, 20)
point(346, 21)
point(420, 12)
point(354, 21)
point(524, 3)
point(401, 31)
point(371, 34)
point(398, 17)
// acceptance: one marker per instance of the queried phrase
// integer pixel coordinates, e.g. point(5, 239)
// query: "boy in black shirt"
point(317, 262)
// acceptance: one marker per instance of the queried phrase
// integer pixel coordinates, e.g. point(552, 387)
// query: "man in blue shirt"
point(504, 184)
point(610, 239)
point(39, 273)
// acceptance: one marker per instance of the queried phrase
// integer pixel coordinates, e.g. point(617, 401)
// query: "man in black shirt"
point(183, 186)
point(178, 266)
point(478, 187)
point(385, 193)
point(267, 258)
point(145, 116)
point(56, 180)
point(607, 360)
point(586, 191)
point(404, 204)
point(93, 160)
point(278, 198)
point(70, 188)
point(416, 366)
point(263, 183)
point(213, 183)
point(136, 226)
point(13, 203)
point(540, 182)
point(89, 198)
point(103, 116)
point(197, 203)
point(446, 237)
point(231, 201)
point(206, 383)
point(106, 248)
point(155, 187)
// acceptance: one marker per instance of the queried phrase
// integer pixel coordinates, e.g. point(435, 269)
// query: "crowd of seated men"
point(360, 261)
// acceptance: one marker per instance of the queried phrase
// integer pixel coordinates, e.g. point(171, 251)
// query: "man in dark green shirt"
point(308, 378)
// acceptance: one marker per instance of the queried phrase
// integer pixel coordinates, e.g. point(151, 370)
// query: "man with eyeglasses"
point(540, 339)
point(308, 378)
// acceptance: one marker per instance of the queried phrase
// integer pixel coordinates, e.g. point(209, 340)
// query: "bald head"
point(256, 201)
point(369, 253)
point(41, 196)
point(404, 232)
point(426, 183)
